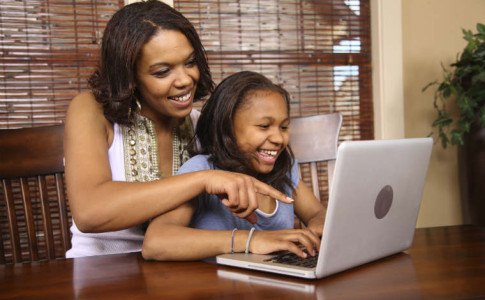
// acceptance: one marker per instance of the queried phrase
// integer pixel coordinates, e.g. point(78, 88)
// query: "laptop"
point(372, 208)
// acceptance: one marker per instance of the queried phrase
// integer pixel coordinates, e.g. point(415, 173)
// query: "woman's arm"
point(100, 204)
point(308, 209)
point(168, 238)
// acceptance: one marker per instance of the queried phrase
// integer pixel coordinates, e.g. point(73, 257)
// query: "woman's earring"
point(138, 105)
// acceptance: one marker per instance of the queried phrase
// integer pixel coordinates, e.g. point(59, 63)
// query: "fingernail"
point(289, 199)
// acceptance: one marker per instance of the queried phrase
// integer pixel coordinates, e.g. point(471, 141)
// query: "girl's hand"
point(238, 191)
point(315, 225)
point(264, 242)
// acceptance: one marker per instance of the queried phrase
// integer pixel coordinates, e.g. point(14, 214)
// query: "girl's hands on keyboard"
point(293, 240)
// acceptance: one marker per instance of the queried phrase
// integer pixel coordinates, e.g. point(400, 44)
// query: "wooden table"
point(443, 263)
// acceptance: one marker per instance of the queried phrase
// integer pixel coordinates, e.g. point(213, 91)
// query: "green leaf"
point(464, 125)
point(428, 85)
point(456, 137)
point(444, 139)
point(481, 28)
point(467, 35)
point(479, 78)
point(446, 91)
point(481, 119)
point(466, 105)
point(463, 84)
point(443, 119)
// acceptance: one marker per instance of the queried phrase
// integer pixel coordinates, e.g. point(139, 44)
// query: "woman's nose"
point(183, 78)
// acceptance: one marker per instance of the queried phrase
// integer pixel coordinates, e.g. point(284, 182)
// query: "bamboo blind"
point(48, 49)
point(319, 50)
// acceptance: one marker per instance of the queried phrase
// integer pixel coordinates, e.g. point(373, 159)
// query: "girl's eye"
point(264, 126)
point(284, 128)
point(191, 62)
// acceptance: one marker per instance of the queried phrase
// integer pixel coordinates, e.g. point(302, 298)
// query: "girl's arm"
point(308, 209)
point(100, 204)
point(168, 238)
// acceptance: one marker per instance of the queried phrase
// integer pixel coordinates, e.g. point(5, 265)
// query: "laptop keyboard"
point(294, 260)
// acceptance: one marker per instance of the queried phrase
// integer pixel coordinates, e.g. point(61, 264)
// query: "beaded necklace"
point(141, 149)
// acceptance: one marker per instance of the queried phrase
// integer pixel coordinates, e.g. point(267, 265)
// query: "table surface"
point(443, 263)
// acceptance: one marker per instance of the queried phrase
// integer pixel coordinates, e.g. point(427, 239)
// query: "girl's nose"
point(276, 137)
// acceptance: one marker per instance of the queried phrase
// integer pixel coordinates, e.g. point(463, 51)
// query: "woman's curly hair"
point(129, 29)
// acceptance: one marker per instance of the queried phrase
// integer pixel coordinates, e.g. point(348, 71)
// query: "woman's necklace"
point(141, 149)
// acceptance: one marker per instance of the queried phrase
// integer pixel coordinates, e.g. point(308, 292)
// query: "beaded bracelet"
point(249, 240)
point(232, 240)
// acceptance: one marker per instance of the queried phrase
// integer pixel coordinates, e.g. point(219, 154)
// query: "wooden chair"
point(314, 142)
point(34, 216)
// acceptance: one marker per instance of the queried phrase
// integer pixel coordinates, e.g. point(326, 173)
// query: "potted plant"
point(464, 85)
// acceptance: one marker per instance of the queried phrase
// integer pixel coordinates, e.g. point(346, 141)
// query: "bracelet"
point(249, 240)
point(232, 240)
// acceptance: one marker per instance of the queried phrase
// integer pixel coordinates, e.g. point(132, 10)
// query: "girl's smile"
point(261, 128)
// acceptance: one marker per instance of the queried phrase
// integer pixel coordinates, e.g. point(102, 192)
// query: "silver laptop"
point(372, 209)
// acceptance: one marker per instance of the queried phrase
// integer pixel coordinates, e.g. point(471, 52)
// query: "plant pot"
point(471, 158)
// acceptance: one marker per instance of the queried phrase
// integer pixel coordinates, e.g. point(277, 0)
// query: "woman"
point(126, 137)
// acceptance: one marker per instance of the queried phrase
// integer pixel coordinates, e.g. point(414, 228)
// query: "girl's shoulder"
point(198, 162)
point(294, 174)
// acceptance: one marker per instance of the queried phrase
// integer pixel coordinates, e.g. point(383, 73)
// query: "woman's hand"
point(264, 242)
point(238, 192)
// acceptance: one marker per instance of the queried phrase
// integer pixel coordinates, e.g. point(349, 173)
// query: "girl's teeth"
point(269, 152)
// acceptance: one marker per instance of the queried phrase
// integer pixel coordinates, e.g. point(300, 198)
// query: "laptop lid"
point(372, 209)
point(374, 201)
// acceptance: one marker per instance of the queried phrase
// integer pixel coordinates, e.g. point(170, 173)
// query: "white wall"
point(387, 69)
point(411, 38)
point(431, 36)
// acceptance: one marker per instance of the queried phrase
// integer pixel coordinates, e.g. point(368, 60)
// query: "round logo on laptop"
point(383, 202)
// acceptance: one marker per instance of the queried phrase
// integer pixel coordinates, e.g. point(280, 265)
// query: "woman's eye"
point(264, 126)
point(285, 128)
point(162, 73)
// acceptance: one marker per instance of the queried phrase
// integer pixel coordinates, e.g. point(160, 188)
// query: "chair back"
point(33, 207)
point(314, 142)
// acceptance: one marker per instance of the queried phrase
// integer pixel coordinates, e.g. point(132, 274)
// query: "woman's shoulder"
point(85, 102)
point(194, 117)
point(85, 112)
point(196, 163)
point(194, 114)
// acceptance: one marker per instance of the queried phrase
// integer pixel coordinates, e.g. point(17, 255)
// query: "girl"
point(125, 137)
point(244, 127)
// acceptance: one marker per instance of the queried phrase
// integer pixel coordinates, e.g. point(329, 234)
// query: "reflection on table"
point(443, 263)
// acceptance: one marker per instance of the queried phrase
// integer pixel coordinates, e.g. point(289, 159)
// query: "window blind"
point(48, 49)
point(319, 50)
